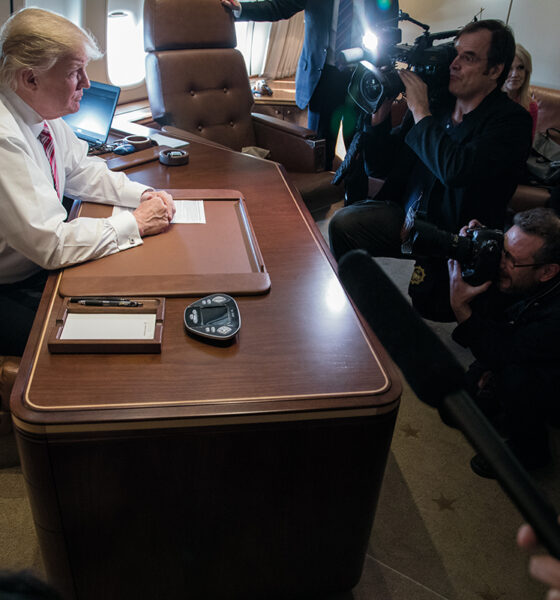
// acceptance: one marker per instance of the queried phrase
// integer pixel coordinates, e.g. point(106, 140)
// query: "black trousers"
point(375, 226)
point(18, 304)
point(329, 106)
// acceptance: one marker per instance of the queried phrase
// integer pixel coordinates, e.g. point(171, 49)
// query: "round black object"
point(172, 157)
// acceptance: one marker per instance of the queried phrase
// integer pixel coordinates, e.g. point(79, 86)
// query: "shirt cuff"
point(126, 228)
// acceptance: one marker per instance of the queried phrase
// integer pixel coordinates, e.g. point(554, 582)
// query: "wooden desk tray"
point(221, 255)
point(57, 345)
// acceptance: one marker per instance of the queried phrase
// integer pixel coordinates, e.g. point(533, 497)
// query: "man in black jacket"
point(513, 331)
point(447, 164)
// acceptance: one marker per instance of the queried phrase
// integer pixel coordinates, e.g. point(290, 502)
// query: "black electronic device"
point(215, 317)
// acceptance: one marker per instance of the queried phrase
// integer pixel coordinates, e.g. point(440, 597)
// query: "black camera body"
point(479, 252)
point(376, 79)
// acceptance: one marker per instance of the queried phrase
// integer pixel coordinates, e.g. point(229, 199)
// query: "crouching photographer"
point(512, 327)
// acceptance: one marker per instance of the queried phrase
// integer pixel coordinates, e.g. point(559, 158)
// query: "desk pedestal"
point(257, 510)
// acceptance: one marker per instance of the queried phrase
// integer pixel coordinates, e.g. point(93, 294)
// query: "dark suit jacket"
point(318, 19)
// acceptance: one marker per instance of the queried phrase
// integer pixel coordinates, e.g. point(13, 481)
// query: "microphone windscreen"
point(430, 369)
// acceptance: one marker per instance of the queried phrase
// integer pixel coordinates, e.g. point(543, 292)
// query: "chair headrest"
point(184, 24)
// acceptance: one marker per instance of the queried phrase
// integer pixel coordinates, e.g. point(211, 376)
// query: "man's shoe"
point(482, 467)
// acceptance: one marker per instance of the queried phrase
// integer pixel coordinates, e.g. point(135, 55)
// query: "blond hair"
point(524, 91)
point(34, 38)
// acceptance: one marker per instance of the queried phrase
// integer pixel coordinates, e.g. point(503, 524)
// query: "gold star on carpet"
point(489, 594)
point(409, 431)
point(445, 503)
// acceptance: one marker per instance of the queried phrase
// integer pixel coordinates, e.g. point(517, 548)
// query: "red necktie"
point(45, 138)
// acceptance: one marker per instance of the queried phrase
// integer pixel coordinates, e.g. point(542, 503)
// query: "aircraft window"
point(252, 42)
point(125, 48)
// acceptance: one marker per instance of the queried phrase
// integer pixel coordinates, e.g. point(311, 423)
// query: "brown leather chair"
point(548, 101)
point(197, 81)
point(8, 370)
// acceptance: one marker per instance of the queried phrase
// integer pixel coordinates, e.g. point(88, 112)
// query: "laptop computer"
point(97, 108)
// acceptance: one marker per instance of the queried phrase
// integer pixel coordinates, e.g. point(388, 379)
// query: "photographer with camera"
point(512, 327)
point(449, 163)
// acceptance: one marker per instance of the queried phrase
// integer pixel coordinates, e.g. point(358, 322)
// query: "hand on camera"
point(461, 294)
point(473, 224)
point(382, 112)
point(416, 92)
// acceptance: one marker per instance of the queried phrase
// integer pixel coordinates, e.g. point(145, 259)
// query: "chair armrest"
point(9, 366)
point(526, 197)
point(297, 148)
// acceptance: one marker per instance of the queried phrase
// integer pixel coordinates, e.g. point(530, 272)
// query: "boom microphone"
point(437, 379)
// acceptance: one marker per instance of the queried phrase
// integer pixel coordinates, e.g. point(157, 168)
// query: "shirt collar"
point(29, 115)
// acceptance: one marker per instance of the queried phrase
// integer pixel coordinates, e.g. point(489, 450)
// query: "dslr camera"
point(479, 252)
point(375, 78)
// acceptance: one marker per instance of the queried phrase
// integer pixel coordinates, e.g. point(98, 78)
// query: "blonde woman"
point(518, 82)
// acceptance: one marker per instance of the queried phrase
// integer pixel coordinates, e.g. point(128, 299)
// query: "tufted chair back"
point(196, 79)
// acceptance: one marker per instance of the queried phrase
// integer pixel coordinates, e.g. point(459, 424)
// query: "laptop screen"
point(93, 121)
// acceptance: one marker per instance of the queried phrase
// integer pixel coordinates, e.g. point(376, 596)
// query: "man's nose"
point(84, 80)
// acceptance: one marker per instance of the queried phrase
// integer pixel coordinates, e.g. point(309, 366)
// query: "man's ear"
point(26, 79)
point(549, 272)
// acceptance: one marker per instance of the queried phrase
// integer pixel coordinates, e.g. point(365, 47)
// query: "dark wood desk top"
point(302, 351)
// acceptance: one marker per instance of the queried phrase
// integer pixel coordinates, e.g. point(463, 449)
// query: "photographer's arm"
point(497, 142)
point(267, 10)
point(381, 144)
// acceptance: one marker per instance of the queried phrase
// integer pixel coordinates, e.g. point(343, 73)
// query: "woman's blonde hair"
point(524, 92)
point(34, 38)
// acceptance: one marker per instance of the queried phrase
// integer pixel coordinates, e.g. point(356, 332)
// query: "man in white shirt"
point(43, 58)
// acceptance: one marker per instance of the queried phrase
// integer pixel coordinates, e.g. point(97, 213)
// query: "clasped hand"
point(231, 4)
point(155, 212)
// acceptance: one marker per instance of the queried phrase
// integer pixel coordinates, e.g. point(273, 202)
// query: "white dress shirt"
point(33, 233)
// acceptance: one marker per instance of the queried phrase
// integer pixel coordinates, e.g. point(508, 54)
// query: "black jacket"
point(526, 332)
point(463, 172)
point(519, 344)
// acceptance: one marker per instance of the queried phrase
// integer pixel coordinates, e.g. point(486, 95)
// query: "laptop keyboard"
point(94, 149)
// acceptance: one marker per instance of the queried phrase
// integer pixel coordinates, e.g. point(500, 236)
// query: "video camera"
point(375, 78)
point(479, 252)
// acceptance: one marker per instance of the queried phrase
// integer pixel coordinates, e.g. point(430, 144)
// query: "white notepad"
point(105, 326)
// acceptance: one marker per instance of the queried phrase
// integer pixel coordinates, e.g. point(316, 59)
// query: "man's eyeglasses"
point(510, 262)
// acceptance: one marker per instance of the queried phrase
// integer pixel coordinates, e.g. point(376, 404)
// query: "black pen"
point(116, 302)
point(98, 298)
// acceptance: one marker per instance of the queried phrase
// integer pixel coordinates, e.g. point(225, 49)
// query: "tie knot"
point(45, 132)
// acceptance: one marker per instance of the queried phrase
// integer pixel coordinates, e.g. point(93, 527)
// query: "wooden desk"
point(250, 471)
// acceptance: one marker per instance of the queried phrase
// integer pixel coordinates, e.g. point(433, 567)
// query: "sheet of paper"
point(109, 326)
point(188, 211)
point(163, 140)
